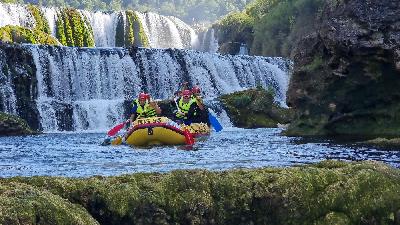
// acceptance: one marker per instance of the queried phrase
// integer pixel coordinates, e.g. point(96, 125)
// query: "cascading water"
point(87, 88)
point(207, 41)
point(16, 15)
point(162, 31)
point(8, 100)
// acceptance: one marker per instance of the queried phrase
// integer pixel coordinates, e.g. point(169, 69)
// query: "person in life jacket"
point(202, 116)
point(142, 107)
point(188, 110)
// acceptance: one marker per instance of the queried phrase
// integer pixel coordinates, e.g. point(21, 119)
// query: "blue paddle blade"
point(214, 122)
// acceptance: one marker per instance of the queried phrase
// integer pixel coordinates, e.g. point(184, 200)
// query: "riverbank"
point(330, 192)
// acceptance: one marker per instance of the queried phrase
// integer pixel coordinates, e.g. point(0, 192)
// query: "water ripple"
point(80, 155)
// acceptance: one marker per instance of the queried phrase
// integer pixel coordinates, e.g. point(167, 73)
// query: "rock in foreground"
point(329, 192)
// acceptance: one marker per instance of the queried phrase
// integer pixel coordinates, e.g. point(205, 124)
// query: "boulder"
point(11, 125)
point(255, 108)
point(347, 73)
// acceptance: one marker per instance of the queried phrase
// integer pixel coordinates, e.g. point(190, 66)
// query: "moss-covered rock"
point(13, 125)
point(41, 23)
point(330, 192)
point(73, 29)
point(18, 67)
point(130, 32)
point(255, 108)
point(18, 34)
point(384, 142)
point(25, 204)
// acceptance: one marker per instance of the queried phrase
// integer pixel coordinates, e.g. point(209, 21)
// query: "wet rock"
point(18, 68)
point(346, 74)
point(255, 108)
point(25, 204)
point(329, 192)
point(12, 125)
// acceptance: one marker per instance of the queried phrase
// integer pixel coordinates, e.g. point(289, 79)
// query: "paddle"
point(214, 122)
point(116, 129)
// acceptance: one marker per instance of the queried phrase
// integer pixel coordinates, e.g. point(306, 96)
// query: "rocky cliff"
point(347, 73)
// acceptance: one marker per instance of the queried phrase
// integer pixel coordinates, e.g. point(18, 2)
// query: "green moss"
point(315, 64)
point(120, 32)
point(133, 32)
point(61, 36)
point(41, 23)
point(384, 142)
point(74, 29)
point(13, 125)
point(25, 35)
point(24, 204)
point(255, 108)
point(329, 192)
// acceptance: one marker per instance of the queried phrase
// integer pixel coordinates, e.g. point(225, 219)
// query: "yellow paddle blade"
point(117, 141)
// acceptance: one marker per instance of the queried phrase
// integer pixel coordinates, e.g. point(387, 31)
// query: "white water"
point(94, 83)
point(207, 42)
point(7, 94)
point(162, 31)
point(16, 15)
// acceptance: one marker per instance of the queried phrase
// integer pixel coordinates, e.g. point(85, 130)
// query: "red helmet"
point(196, 90)
point(186, 93)
point(143, 96)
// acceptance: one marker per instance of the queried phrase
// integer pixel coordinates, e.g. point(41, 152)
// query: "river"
point(81, 155)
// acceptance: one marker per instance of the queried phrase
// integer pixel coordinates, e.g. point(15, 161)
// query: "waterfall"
point(162, 31)
point(207, 41)
point(167, 32)
point(88, 88)
point(8, 100)
point(16, 15)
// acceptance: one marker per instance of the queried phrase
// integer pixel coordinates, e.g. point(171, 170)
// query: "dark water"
point(80, 154)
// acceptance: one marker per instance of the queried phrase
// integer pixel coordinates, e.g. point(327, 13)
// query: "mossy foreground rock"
point(13, 125)
point(347, 73)
point(329, 192)
point(255, 108)
point(25, 204)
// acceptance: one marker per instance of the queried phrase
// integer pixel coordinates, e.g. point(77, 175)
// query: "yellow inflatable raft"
point(163, 131)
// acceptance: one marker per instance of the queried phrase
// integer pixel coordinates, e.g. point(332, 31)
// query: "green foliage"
point(132, 33)
point(234, 29)
point(190, 11)
point(41, 23)
point(74, 29)
point(283, 24)
point(25, 35)
point(270, 27)
point(329, 192)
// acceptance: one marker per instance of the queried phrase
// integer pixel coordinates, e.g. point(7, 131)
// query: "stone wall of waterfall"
point(162, 31)
point(90, 88)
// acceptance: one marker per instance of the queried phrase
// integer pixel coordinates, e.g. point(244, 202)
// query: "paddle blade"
point(115, 129)
point(214, 122)
point(189, 138)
